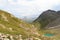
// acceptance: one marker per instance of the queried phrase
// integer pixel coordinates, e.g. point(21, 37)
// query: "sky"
point(28, 9)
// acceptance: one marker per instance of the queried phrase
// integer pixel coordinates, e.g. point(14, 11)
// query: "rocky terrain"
point(49, 18)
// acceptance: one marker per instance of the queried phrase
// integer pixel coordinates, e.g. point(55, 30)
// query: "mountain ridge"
point(47, 17)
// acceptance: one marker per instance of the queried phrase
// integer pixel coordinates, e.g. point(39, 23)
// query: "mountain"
point(12, 28)
point(10, 25)
point(49, 18)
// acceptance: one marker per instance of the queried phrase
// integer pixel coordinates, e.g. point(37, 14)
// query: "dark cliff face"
point(47, 17)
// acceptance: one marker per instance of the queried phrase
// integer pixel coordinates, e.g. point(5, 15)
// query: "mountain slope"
point(12, 28)
point(8, 22)
point(49, 21)
point(11, 25)
point(47, 17)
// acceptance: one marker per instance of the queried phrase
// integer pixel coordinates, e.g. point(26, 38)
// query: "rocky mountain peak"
point(47, 17)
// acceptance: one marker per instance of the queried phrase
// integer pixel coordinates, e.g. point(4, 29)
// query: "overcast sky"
point(28, 8)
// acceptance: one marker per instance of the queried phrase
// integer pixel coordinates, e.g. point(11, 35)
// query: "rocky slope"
point(49, 18)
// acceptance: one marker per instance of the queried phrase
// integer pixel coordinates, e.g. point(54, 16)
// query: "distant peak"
point(50, 10)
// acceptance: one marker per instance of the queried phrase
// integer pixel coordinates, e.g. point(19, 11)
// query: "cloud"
point(28, 8)
point(41, 4)
point(57, 7)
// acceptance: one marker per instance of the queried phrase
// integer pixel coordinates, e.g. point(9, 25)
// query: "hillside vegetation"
point(12, 28)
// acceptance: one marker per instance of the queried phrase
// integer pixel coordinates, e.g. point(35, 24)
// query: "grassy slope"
point(13, 23)
point(50, 31)
point(18, 26)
